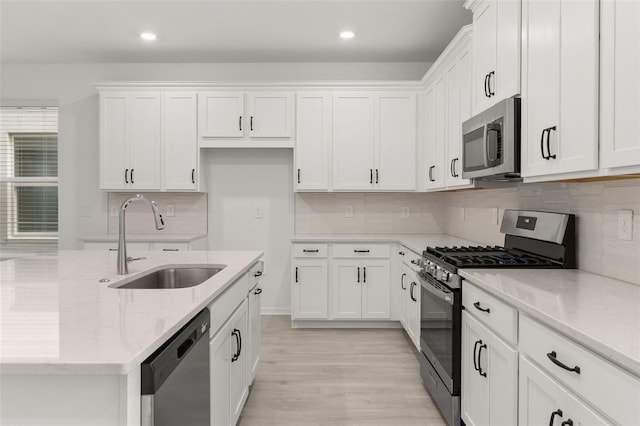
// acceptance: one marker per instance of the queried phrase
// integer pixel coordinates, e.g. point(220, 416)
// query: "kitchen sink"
point(174, 277)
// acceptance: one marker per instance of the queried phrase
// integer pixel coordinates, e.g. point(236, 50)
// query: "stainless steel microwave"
point(491, 143)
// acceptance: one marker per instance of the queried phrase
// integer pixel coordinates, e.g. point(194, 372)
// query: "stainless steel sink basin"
point(175, 277)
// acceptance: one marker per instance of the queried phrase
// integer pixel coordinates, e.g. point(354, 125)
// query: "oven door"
point(440, 330)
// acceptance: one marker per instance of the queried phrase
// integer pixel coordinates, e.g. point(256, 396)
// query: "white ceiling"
point(227, 31)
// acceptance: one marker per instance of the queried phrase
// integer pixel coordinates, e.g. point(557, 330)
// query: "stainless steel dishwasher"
point(175, 378)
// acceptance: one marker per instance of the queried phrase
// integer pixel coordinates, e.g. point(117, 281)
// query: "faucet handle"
point(133, 259)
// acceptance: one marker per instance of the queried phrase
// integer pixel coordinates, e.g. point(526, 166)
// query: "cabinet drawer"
point(224, 305)
point(614, 391)
point(309, 250)
point(255, 273)
point(170, 246)
point(114, 247)
point(497, 315)
point(361, 250)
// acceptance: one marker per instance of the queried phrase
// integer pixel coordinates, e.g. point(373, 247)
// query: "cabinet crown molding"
point(258, 85)
point(472, 4)
point(462, 37)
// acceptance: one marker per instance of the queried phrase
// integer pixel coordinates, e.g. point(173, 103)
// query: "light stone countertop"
point(415, 242)
point(601, 313)
point(57, 318)
point(155, 237)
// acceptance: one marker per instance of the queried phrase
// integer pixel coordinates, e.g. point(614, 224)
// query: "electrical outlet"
point(625, 225)
point(494, 216)
point(258, 214)
point(348, 211)
point(406, 212)
point(85, 210)
point(113, 211)
point(171, 210)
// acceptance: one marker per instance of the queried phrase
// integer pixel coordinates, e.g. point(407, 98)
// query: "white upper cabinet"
point(353, 147)
point(313, 140)
point(560, 87)
point(225, 121)
point(221, 114)
point(496, 71)
point(619, 84)
point(447, 105)
point(130, 135)
point(374, 141)
point(458, 78)
point(270, 114)
point(180, 141)
point(435, 128)
point(395, 140)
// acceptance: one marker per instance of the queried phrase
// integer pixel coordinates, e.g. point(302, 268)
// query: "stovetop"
point(488, 257)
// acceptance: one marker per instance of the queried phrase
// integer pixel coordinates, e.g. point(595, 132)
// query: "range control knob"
point(445, 276)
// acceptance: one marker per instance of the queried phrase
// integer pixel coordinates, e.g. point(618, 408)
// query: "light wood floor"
point(337, 377)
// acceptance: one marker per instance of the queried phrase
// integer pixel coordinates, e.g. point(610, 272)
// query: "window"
point(29, 177)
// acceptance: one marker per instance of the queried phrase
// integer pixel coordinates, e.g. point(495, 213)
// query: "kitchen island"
point(71, 344)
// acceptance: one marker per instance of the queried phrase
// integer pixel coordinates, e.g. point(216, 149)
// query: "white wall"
point(240, 181)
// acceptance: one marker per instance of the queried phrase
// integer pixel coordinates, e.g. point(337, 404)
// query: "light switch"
point(171, 210)
point(348, 211)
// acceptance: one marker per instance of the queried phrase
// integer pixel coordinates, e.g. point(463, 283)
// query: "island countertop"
point(56, 317)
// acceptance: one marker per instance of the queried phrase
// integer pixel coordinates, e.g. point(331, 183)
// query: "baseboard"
point(345, 324)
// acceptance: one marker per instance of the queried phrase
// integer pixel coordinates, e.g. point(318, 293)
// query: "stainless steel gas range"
point(532, 240)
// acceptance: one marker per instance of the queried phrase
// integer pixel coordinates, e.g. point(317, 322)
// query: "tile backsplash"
point(326, 213)
point(595, 204)
point(190, 213)
point(476, 215)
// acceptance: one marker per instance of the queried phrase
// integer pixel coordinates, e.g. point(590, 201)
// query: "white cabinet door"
point(254, 333)
point(474, 387)
point(489, 391)
point(404, 297)
point(395, 141)
point(220, 370)
point(376, 289)
point(238, 385)
point(496, 74)
point(309, 293)
point(560, 92)
point(313, 140)
point(485, 36)
point(435, 135)
point(114, 110)
point(619, 83)
point(144, 142)
point(353, 140)
point(413, 308)
point(542, 400)
point(347, 289)
point(130, 140)
point(458, 86)
point(220, 114)
point(180, 141)
point(270, 114)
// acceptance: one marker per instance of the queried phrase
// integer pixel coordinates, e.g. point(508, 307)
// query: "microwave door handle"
point(488, 146)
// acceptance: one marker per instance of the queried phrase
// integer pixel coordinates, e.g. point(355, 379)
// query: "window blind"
point(28, 180)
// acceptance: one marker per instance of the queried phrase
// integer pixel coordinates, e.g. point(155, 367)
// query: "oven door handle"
point(446, 296)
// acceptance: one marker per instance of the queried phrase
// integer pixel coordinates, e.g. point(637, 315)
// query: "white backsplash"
point(595, 204)
point(324, 213)
point(190, 213)
point(472, 214)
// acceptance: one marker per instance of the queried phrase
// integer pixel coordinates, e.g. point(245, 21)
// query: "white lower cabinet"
point(544, 401)
point(254, 332)
point(309, 292)
point(411, 295)
point(228, 369)
point(361, 289)
point(489, 368)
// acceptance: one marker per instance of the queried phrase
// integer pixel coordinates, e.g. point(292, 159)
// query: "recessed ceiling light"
point(346, 34)
point(148, 36)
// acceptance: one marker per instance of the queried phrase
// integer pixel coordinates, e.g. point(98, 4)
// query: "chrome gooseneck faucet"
point(123, 267)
